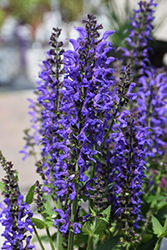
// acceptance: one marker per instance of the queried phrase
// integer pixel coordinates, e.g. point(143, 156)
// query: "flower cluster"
point(151, 82)
point(152, 107)
point(16, 214)
point(128, 165)
point(124, 157)
point(75, 110)
point(139, 36)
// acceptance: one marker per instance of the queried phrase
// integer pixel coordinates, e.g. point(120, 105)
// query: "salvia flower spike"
point(16, 214)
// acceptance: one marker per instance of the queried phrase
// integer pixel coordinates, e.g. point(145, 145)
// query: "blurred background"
point(26, 26)
point(25, 29)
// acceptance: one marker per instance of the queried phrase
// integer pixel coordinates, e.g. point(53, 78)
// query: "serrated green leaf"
point(157, 227)
point(92, 211)
point(86, 229)
point(38, 223)
point(2, 186)
point(47, 205)
point(30, 195)
point(47, 211)
point(100, 226)
point(106, 213)
point(102, 222)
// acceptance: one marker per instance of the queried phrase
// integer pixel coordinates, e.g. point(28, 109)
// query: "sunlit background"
point(25, 29)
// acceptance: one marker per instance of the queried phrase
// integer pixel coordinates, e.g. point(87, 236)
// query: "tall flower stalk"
point(139, 36)
point(75, 100)
point(16, 214)
point(151, 82)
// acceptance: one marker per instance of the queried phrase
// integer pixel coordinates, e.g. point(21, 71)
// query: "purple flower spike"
point(15, 215)
point(128, 165)
point(140, 33)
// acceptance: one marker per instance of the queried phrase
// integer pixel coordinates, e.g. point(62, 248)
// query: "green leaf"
point(2, 186)
point(101, 222)
point(106, 213)
point(38, 223)
point(152, 198)
point(157, 227)
point(161, 215)
point(148, 245)
point(161, 203)
point(47, 211)
point(30, 195)
point(109, 244)
point(81, 239)
point(47, 205)
point(93, 212)
point(100, 226)
point(147, 237)
point(86, 229)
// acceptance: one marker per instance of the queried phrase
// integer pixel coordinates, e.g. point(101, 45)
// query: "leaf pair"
point(98, 226)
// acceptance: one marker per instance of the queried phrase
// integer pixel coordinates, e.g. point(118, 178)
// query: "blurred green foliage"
point(119, 22)
point(70, 9)
point(2, 16)
point(118, 18)
point(29, 12)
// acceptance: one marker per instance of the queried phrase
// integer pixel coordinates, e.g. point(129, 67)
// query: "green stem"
point(71, 240)
point(39, 240)
point(59, 239)
point(50, 239)
point(165, 225)
point(71, 234)
point(59, 234)
point(158, 243)
point(93, 164)
point(92, 176)
point(90, 243)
